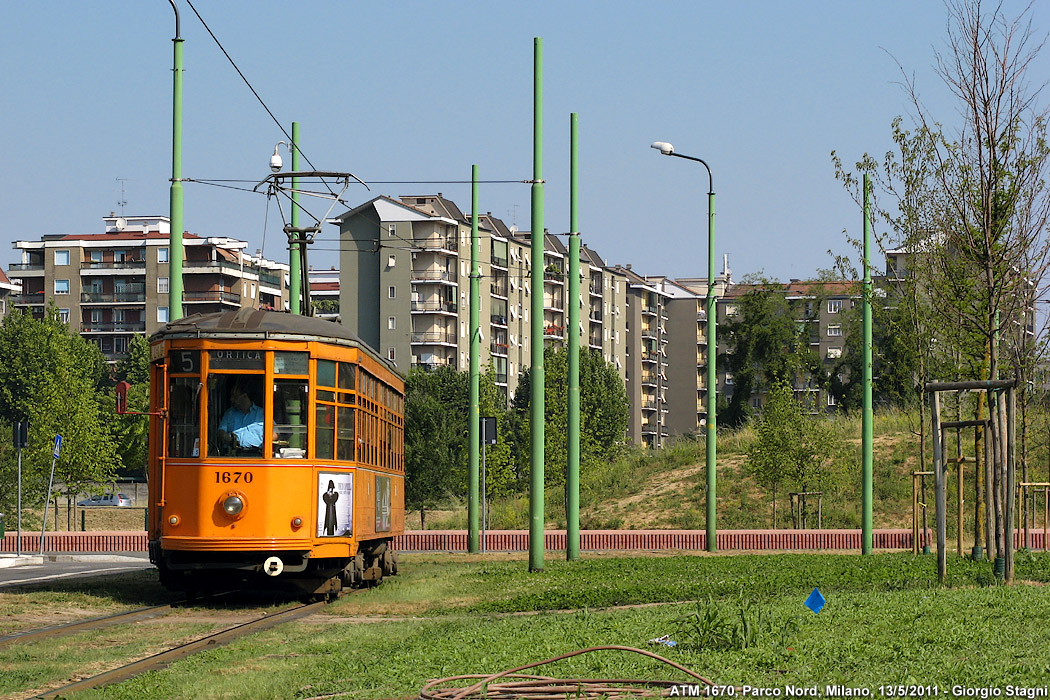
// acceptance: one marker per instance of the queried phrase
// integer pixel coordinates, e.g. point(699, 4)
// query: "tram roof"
point(262, 325)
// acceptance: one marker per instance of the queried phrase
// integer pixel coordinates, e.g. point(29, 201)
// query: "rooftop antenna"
point(122, 202)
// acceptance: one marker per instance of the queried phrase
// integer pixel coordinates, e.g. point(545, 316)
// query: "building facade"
point(111, 286)
point(405, 288)
point(820, 310)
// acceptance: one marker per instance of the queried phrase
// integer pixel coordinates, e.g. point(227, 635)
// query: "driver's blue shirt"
point(246, 427)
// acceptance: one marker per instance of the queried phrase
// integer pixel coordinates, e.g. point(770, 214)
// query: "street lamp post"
point(712, 346)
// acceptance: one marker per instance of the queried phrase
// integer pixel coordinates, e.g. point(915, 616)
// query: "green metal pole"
point(536, 375)
point(866, 429)
point(175, 198)
point(712, 377)
point(474, 447)
point(295, 273)
point(572, 477)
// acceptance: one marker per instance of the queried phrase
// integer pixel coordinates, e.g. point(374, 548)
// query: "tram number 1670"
point(233, 477)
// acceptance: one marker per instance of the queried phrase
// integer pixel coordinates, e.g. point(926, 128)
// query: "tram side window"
point(235, 415)
point(290, 412)
point(184, 417)
point(335, 411)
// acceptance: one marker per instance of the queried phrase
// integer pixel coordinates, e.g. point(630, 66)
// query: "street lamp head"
point(276, 163)
point(664, 147)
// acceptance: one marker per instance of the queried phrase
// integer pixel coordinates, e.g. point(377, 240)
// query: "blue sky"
point(420, 91)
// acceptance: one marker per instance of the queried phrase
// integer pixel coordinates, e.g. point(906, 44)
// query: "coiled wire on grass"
point(519, 686)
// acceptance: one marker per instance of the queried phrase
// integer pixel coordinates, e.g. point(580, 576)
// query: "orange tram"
point(276, 455)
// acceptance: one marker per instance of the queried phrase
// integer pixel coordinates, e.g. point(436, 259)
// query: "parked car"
point(106, 499)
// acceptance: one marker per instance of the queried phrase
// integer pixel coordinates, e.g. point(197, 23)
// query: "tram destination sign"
point(237, 359)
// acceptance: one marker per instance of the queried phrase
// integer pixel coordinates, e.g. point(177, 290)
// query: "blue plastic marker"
point(815, 601)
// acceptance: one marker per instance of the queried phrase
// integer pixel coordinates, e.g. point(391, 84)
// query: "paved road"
point(32, 569)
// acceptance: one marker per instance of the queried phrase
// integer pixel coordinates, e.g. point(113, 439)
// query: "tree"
point(790, 446)
point(131, 432)
point(51, 377)
point(767, 345)
point(604, 412)
point(437, 404)
point(971, 202)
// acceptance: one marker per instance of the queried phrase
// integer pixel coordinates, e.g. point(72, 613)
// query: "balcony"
point(137, 295)
point(431, 366)
point(115, 327)
point(25, 267)
point(595, 289)
point(552, 274)
point(447, 307)
point(553, 331)
point(433, 338)
point(499, 290)
point(498, 261)
point(270, 280)
point(498, 320)
point(649, 356)
point(113, 265)
point(595, 315)
point(500, 378)
point(438, 243)
point(649, 378)
point(38, 298)
point(498, 348)
point(213, 296)
point(213, 265)
point(595, 341)
point(434, 276)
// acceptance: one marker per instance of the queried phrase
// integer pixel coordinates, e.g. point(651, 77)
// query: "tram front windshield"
point(236, 415)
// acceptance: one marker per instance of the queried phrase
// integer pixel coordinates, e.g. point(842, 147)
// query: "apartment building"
point(405, 288)
point(113, 285)
point(8, 289)
point(820, 314)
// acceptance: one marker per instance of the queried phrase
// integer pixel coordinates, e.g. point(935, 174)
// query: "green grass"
point(886, 621)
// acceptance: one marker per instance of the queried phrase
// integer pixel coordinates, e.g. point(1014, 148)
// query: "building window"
point(162, 285)
point(834, 353)
point(63, 315)
point(834, 306)
point(732, 310)
point(391, 323)
point(391, 354)
point(392, 293)
point(96, 316)
point(61, 257)
point(120, 344)
point(96, 256)
point(162, 255)
point(834, 330)
point(831, 399)
point(729, 379)
point(61, 286)
point(391, 231)
point(162, 314)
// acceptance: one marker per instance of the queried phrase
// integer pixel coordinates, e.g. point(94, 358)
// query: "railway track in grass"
point(161, 659)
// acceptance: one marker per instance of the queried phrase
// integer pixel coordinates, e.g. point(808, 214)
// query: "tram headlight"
point(233, 504)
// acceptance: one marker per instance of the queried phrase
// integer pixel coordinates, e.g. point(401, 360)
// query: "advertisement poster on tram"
point(335, 504)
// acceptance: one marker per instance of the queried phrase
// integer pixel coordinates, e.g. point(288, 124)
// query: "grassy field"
point(736, 620)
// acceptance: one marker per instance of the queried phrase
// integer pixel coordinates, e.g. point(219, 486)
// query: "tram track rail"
point(160, 659)
point(93, 623)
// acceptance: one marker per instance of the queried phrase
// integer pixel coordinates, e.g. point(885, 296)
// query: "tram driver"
point(241, 427)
